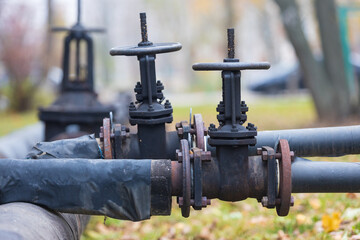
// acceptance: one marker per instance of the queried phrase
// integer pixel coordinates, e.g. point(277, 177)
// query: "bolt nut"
point(292, 155)
point(167, 104)
point(264, 201)
point(132, 107)
point(205, 201)
point(259, 151)
point(180, 201)
point(180, 131)
point(205, 156)
point(264, 155)
point(179, 156)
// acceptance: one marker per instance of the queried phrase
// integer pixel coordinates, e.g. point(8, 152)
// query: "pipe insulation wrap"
point(116, 188)
point(324, 177)
point(310, 142)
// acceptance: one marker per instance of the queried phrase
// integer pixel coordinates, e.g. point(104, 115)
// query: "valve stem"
point(231, 43)
point(144, 34)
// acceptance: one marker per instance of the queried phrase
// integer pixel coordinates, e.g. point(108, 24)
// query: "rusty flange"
point(285, 199)
point(200, 131)
point(184, 158)
point(106, 132)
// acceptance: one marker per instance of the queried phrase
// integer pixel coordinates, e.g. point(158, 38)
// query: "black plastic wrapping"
point(310, 142)
point(116, 188)
point(82, 147)
point(20, 220)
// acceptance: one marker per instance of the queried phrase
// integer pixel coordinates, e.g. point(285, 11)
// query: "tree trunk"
point(333, 54)
point(315, 75)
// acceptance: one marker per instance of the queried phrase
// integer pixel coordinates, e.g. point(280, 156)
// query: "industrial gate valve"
point(149, 91)
point(76, 111)
point(231, 138)
point(149, 112)
point(83, 79)
point(232, 111)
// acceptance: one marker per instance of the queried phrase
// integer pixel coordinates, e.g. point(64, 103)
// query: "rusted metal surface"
point(108, 151)
point(268, 155)
point(200, 131)
point(184, 158)
point(284, 196)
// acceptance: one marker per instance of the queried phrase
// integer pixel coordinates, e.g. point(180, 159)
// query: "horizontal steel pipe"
point(308, 142)
point(134, 148)
point(19, 221)
point(324, 177)
point(234, 179)
point(123, 189)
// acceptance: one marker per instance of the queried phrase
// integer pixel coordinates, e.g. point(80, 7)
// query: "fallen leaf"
point(101, 228)
point(302, 219)
point(315, 203)
point(331, 222)
point(282, 235)
point(259, 220)
point(351, 195)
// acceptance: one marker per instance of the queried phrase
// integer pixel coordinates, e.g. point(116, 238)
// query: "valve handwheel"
point(145, 47)
point(283, 206)
point(230, 63)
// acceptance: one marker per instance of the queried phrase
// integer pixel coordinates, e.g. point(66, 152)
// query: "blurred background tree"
point(325, 77)
point(21, 51)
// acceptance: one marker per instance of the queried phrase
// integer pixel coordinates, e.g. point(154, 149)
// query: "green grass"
point(10, 121)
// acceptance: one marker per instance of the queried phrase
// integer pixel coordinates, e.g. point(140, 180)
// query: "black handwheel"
point(230, 66)
point(230, 63)
point(145, 47)
point(155, 48)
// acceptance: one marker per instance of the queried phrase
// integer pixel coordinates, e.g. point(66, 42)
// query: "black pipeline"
point(324, 177)
point(310, 142)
